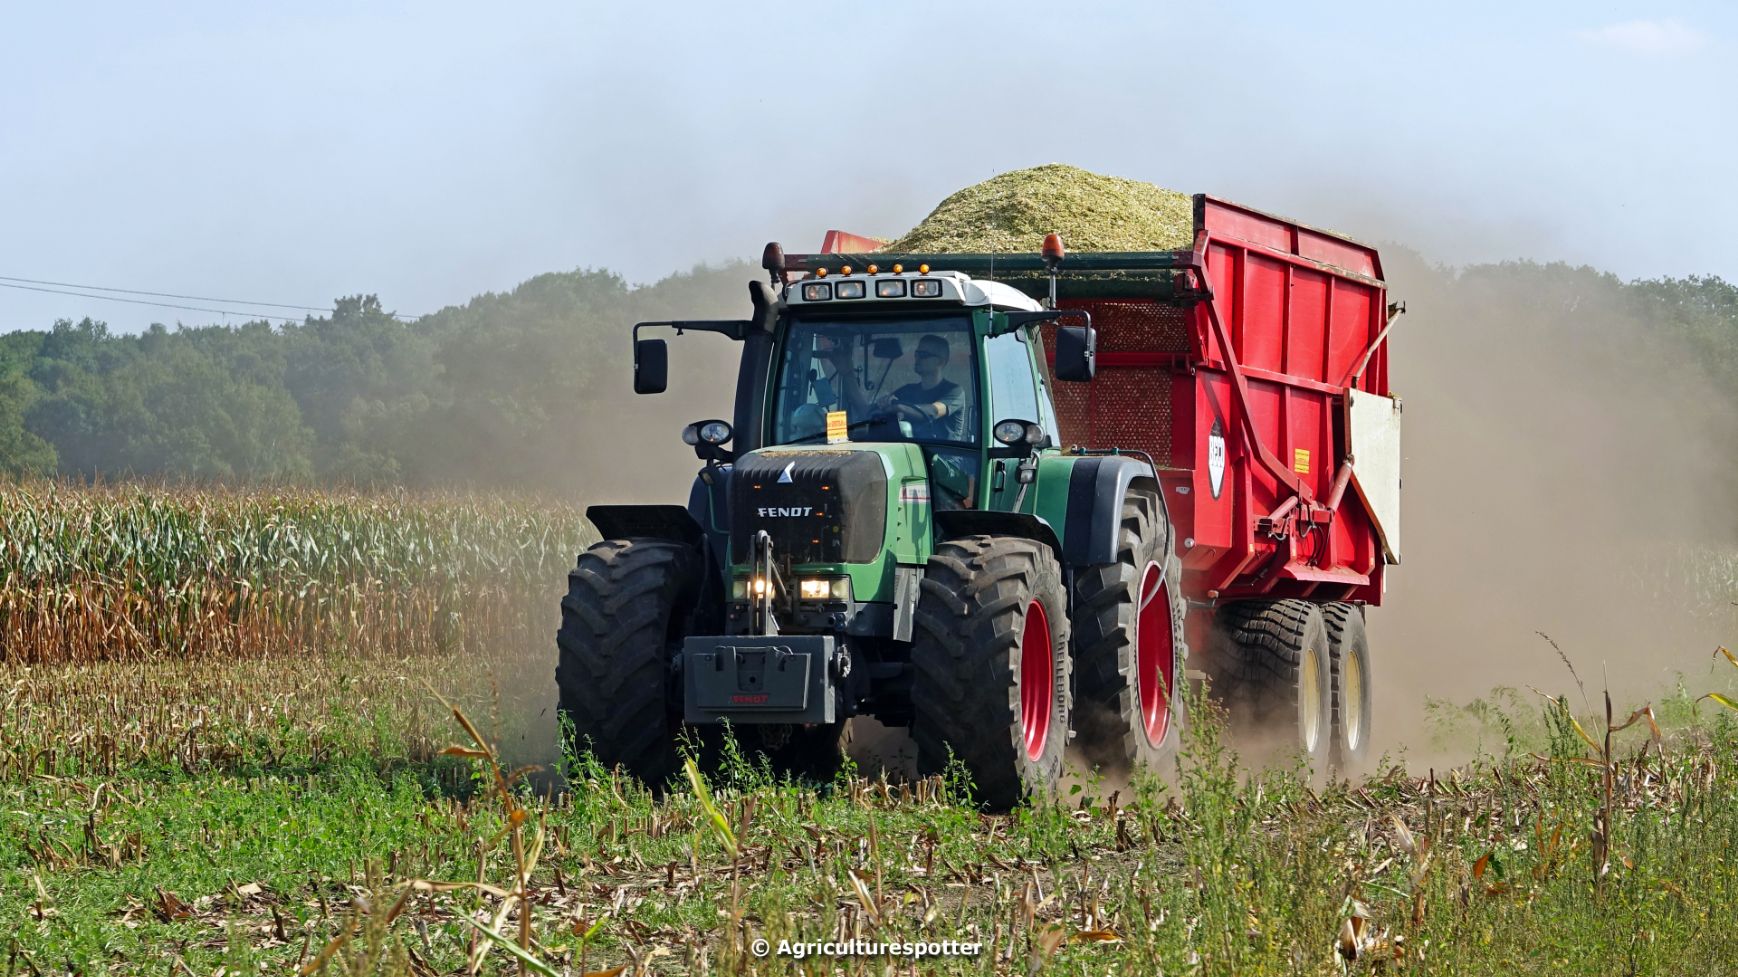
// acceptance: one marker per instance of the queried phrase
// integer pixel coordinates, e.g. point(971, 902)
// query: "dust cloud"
point(1568, 471)
point(633, 442)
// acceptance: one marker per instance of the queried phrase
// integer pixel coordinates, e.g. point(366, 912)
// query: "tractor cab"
point(931, 360)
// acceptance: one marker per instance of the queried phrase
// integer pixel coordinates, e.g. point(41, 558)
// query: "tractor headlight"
point(890, 288)
point(744, 588)
point(711, 432)
point(825, 588)
point(817, 291)
point(848, 290)
point(926, 288)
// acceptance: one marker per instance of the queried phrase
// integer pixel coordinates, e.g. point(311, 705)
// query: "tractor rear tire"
point(627, 602)
point(1130, 647)
point(990, 664)
point(1351, 684)
point(1276, 654)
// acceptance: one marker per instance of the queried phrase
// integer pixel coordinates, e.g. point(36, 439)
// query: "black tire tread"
point(1259, 654)
point(1345, 620)
point(965, 656)
point(1107, 706)
point(625, 603)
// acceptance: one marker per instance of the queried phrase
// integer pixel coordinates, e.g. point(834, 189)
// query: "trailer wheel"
point(990, 666)
point(1129, 647)
point(1350, 682)
point(1277, 656)
point(621, 621)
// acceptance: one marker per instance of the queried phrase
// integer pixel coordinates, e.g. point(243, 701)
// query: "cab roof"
point(956, 288)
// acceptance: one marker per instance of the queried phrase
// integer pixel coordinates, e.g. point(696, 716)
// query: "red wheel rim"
point(1037, 680)
point(1155, 655)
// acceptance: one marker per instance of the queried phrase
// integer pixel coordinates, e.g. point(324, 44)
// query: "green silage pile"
point(1092, 212)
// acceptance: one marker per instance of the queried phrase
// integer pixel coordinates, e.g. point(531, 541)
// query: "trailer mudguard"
point(671, 522)
point(1096, 488)
point(970, 522)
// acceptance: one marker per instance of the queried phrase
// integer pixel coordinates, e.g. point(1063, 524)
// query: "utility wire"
point(165, 305)
point(165, 295)
point(6, 280)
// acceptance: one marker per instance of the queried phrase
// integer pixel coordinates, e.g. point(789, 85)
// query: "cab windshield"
point(894, 380)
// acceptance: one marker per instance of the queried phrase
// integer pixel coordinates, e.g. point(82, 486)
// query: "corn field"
point(138, 573)
point(1699, 582)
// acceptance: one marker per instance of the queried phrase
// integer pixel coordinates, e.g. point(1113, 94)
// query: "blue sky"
point(430, 151)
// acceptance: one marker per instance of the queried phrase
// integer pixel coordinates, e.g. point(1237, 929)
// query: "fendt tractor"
point(997, 499)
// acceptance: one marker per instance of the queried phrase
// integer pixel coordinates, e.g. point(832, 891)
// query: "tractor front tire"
point(1351, 684)
point(1129, 647)
point(1276, 654)
point(990, 665)
point(626, 605)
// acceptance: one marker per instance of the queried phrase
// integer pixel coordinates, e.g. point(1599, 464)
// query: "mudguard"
point(1096, 489)
point(671, 522)
point(970, 522)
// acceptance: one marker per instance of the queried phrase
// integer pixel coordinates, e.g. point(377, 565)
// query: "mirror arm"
point(1015, 320)
point(736, 329)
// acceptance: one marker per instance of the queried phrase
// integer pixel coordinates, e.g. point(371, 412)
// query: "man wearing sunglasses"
point(935, 407)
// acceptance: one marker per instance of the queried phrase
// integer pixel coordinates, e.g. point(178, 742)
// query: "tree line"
point(501, 391)
point(525, 388)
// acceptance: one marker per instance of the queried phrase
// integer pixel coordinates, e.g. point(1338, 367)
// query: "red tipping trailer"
point(1259, 382)
point(1253, 369)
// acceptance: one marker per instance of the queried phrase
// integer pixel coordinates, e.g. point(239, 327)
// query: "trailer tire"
point(1351, 689)
point(990, 663)
point(621, 621)
point(1276, 655)
point(1130, 647)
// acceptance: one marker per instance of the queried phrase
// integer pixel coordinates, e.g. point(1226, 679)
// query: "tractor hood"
point(818, 505)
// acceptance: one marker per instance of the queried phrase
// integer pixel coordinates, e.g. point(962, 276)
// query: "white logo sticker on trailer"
point(1216, 458)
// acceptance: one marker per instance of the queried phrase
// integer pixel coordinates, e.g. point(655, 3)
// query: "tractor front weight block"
point(753, 679)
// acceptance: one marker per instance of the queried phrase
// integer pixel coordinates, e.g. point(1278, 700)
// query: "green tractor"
point(887, 527)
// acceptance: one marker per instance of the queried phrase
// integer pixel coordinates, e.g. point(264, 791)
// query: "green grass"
point(259, 857)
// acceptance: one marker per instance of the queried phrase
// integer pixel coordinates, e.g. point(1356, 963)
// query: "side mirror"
point(651, 366)
point(1076, 353)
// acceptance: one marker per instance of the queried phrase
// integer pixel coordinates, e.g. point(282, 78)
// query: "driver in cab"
point(931, 408)
point(934, 406)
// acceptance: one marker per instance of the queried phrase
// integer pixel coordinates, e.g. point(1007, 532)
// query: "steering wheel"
point(885, 421)
point(903, 411)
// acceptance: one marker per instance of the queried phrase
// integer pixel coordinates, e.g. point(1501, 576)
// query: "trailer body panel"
point(1238, 375)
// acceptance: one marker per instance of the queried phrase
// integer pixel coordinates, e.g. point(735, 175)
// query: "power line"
point(5, 281)
point(165, 305)
point(165, 295)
